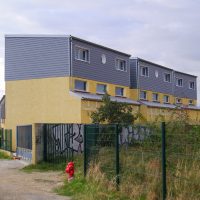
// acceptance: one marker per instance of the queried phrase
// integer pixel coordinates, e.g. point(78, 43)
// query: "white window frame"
point(83, 48)
point(145, 92)
point(141, 70)
point(117, 95)
point(157, 100)
point(118, 67)
point(165, 73)
point(164, 98)
point(190, 85)
point(101, 92)
point(177, 79)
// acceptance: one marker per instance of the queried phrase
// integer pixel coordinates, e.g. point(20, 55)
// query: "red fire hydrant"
point(70, 171)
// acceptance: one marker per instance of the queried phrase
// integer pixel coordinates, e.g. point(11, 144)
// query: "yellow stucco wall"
point(40, 101)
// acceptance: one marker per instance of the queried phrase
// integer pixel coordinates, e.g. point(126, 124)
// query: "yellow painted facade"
point(49, 100)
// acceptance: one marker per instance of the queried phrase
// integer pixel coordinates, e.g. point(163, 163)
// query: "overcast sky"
point(163, 31)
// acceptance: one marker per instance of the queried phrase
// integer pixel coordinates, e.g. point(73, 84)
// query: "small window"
point(121, 65)
point(191, 102)
point(101, 89)
point(191, 85)
point(167, 77)
point(81, 54)
point(143, 95)
point(178, 100)
point(155, 97)
point(179, 82)
point(119, 91)
point(144, 71)
point(80, 85)
point(166, 99)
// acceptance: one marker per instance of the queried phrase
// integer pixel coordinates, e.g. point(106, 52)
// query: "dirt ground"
point(18, 185)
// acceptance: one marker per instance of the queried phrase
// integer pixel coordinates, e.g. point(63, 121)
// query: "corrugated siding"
point(95, 70)
point(133, 73)
point(36, 57)
point(185, 92)
point(154, 83)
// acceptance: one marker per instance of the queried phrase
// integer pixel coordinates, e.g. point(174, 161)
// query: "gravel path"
point(18, 185)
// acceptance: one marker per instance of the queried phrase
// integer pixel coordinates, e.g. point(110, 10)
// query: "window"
point(191, 85)
point(120, 64)
point(101, 89)
point(166, 99)
point(81, 54)
point(179, 82)
point(191, 102)
point(155, 97)
point(144, 71)
point(80, 85)
point(178, 101)
point(119, 91)
point(167, 77)
point(143, 95)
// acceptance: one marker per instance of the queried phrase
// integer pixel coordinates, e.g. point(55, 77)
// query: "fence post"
point(164, 184)
point(45, 142)
point(117, 155)
point(85, 156)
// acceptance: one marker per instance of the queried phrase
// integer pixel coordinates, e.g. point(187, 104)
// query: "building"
point(61, 79)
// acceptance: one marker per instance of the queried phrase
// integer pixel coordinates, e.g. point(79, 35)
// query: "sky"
point(163, 31)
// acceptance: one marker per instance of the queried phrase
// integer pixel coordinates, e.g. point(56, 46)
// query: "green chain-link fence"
point(152, 161)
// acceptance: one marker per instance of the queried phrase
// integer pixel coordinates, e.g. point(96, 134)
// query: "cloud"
point(163, 31)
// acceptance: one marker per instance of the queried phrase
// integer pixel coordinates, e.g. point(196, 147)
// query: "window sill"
point(76, 90)
point(99, 93)
point(166, 102)
point(120, 96)
point(144, 99)
point(82, 60)
point(155, 101)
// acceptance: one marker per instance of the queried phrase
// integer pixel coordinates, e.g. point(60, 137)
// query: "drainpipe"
point(71, 58)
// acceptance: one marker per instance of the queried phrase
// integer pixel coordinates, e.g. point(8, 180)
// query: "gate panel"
point(58, 142)
point(24, 142)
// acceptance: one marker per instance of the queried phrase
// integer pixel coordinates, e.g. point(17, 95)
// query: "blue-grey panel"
point(95, 69)
point(36, 57)
point(153, 83)
point(133, 73)
point(185, 92)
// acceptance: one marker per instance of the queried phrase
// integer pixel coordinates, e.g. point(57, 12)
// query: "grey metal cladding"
point(95, 69)
point(153, 83)
point(36, 57)
point(133, 73)
point(185, 92)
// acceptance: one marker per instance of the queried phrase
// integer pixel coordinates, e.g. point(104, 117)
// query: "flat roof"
point(143, 60)
point(63, 35)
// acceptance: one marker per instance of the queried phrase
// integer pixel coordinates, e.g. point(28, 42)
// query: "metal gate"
point(24, 142)
point(58, 142)
point(6, 139)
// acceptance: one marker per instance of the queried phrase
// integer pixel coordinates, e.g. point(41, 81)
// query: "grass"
point(140, 170)
point(4, 155)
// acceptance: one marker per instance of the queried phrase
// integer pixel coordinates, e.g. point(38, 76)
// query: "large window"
point(155, 97)
point(101, 89)
point(144, 71)
point(179, 82)
point(80, 85)
point(167, 77)
point(143, 95)
point(82, 54)
point(166, 99)
point(121, 65)
point(119, 91)
point(192, 85)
